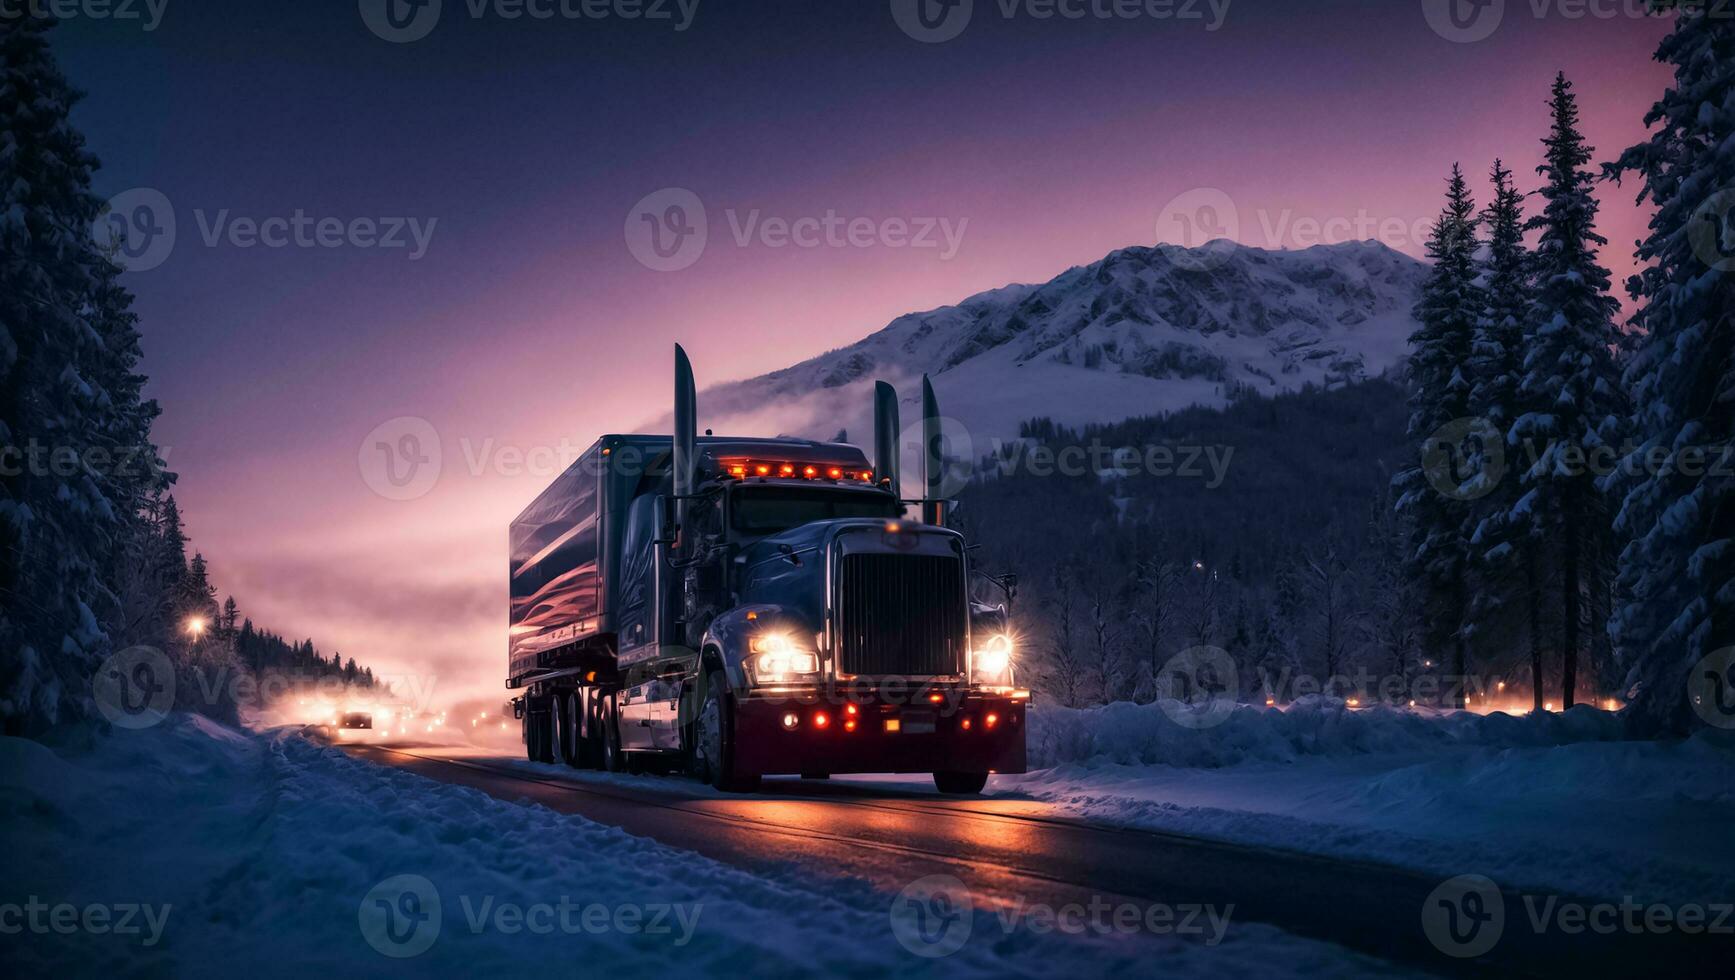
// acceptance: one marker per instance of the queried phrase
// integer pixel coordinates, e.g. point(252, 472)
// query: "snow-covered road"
point(1311, 842)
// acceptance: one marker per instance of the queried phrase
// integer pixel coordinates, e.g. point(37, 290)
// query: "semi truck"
point(739, 607)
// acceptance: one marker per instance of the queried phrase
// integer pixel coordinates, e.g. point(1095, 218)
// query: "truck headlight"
point(995, 657)
point(776, 657)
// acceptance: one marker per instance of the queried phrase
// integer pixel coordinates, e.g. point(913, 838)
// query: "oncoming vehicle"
point(741, 607)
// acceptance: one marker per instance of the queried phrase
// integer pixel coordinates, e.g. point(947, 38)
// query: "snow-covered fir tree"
point(1449, 310)
point(1678, 571)
point(1509, 579)
point(68, 396)
point(1571, 382)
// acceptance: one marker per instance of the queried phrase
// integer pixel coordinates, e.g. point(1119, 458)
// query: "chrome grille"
point(902, 614)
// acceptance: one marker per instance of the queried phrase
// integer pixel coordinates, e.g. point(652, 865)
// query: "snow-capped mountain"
point(1144, 330)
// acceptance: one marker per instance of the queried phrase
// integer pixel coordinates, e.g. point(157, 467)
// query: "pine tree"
point(1678, 572)
point(1449, 310)
point(1509, 573)
point(1571, 379)
point(67, 347)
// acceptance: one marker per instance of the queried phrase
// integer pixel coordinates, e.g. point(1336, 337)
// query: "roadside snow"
point(265, 855)
point(1552, 801)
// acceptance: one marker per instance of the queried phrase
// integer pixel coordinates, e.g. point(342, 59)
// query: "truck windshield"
point(772, 509)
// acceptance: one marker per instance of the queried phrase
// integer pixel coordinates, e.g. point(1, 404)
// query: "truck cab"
point(740, 607)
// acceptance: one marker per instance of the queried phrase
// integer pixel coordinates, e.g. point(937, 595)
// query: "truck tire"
point(960, 783)
point(590, 738)
point(538, 730)
point(714, 741)
point(565, 717)
point(613, 759)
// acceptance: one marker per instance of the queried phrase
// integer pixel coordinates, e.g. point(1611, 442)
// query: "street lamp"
point(195, 626)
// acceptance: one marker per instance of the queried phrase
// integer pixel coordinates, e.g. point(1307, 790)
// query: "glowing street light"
point(195, 626)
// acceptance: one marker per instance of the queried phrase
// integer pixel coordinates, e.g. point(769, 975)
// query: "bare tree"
point(1105, 654)
point(1328, 580)
point(1156, 581)
point(1063, 673)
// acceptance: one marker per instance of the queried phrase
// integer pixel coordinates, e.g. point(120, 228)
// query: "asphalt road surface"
point(1008, 850)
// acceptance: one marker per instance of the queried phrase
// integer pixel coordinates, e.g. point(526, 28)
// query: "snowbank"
point(1131, 734)
point(264, 856)
point(1553, 801)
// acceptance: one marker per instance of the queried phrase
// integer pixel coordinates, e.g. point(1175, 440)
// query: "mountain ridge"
point(1144, 330)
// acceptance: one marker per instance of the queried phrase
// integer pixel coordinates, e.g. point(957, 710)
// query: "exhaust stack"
point(886, 434)
point(686, 430)
point(933, 462)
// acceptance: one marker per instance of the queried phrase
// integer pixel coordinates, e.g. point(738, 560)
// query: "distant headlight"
point(994, 657)
point(776, 657)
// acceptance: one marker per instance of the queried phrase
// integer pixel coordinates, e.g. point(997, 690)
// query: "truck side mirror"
point(671, 531)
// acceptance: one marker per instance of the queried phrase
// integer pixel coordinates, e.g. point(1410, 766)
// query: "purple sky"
point(529, 321)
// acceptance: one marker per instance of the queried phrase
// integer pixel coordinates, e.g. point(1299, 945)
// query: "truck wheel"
point(538, 734)
point(590, 739)
point(714, 742)
point(565, 716)
point(613, 759)
point(960, 783)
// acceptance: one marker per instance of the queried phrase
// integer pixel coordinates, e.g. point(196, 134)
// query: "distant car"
point(358, 719)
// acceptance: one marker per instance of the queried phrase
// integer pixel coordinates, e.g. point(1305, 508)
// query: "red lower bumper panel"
point(790, 735)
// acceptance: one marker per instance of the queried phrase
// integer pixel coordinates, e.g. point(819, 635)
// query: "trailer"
point(739, 607)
